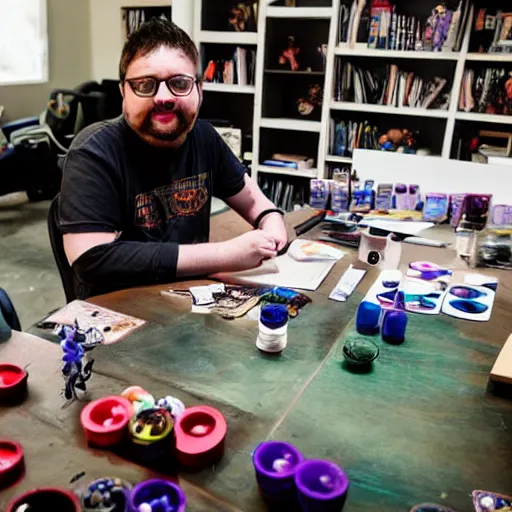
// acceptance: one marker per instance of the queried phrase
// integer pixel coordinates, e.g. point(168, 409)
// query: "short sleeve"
point(228, 173)
point(89, 197)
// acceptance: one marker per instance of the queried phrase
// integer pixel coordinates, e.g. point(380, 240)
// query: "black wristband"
point(266, 212)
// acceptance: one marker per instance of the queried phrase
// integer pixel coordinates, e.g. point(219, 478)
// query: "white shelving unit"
point(240, 89)
point(337, 51)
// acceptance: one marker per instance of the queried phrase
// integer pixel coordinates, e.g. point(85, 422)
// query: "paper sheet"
point(283, 271)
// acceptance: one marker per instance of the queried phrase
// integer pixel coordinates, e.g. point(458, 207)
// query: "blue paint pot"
point(368, 318)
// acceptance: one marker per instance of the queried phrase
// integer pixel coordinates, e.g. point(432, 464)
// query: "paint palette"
point(385, 288)
point(485, 501)
point(472, 300)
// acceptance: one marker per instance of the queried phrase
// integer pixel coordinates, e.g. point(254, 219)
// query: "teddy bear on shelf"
point(289, 55)
point(305, 106)
point(395, 139)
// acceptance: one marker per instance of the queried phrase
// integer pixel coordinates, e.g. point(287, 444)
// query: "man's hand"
point(273, 225)
point(247, 251)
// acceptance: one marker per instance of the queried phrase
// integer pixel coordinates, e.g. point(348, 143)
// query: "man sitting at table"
point(136, 191)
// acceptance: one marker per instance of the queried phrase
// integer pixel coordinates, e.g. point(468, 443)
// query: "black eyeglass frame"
point(158, 81)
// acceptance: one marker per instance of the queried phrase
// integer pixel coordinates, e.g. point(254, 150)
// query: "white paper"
point(283, 271)
point(347, 284)
point(403, 227)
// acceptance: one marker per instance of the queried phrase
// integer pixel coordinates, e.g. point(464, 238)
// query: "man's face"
point(165, 119)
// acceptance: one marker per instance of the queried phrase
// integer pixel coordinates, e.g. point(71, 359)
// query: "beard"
point(179, 125)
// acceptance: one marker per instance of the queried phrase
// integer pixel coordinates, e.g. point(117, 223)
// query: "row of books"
point(286, 194)
point(381, 25)
point(391, 87)
point(487, 91)
point(240, 69)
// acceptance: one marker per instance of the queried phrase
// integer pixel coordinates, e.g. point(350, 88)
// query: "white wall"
point(106, 32)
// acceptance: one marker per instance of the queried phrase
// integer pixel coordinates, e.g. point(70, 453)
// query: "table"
point(420, 426)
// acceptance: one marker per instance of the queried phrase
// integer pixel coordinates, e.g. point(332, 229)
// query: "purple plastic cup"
point(321, 485)
point(275, 463)
point(147, 491)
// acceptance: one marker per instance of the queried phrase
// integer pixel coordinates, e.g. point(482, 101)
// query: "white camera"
point(383, 252)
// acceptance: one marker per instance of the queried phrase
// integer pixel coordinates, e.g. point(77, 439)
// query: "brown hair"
point(151, 35)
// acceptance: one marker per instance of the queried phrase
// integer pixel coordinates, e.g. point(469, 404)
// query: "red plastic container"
point(105, 420)
point(54, 499)
point(200, 433)
point(13, 383)
point(12, 463)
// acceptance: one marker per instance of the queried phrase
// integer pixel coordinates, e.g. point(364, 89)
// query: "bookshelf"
point(276, 129)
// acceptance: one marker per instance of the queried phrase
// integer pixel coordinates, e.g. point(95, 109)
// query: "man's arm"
point(250, 202)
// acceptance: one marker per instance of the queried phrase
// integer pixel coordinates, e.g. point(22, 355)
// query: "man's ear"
point(121, 88)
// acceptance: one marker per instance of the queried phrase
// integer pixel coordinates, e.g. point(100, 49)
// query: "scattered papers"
point(397, 226)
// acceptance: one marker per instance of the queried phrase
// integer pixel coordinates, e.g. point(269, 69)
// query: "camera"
point(373, 258)
point(382, 252)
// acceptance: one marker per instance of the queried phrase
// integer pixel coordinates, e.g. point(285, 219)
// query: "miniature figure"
point(290, 54)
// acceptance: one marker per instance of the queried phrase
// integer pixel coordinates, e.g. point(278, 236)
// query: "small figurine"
point(77, 369)
point(306, 106)
point(172, 405)
point(243, 17)
point(437, 28)
point(397, 138)
point(105, 494)
point(290, 55)
point(139, 398)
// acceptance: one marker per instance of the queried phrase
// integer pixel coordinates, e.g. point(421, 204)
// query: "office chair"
point(65, 270)
point(8, 312)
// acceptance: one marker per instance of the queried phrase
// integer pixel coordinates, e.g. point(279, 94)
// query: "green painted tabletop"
point(419, 426)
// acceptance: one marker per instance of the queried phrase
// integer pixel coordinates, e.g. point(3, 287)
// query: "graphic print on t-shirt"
point(184, 197)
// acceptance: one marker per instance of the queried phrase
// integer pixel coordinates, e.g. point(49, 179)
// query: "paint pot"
point(273, 328)
point(110, 494)
point(46, 499)
point(13, 384)
point(12, 462)
point(368, 318)
point(322, 486)
point(200, 434)
point(275, 463)
point(105, 420)
point(151, 436)
point(167, 494)
point(394, 324)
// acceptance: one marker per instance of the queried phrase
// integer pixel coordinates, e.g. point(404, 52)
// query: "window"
point(24, 42)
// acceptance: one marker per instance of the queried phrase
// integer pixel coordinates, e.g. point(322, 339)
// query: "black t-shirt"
point(113, 181)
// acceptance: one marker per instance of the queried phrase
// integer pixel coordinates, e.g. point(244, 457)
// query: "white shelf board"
point(244, 89)
point(340, 159)
point(299, 12)
point(490, 57)
point(224, 37)
point(483, 118)
point(364, 51)
point(299, 125)
point(388, 109)
point(129, 4)
point(302, 173)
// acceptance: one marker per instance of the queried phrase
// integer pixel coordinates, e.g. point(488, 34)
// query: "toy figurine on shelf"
point(437, 28)
point(307, 105)
point(396, 139)
point(289, 55)
point(77, 369)
point(243, 16)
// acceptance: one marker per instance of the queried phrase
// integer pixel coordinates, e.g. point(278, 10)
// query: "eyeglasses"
point(147, 86)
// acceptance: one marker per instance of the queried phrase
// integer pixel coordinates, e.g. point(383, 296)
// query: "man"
point(136, 192)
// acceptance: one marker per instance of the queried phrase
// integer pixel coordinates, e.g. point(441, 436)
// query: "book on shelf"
point(286, 193)
point(393, 88)
point(380, 24)
point(238, 70)
point(491, 31)
point(487, 91)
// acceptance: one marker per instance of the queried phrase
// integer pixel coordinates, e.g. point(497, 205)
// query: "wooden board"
point(502, 369)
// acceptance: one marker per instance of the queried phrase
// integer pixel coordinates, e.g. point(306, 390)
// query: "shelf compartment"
point(300, 12)
point(388, 109)
point(299, 173)
point(490, 57)
point(483, 118)
point(361, 50)
point(280, 123)
point(232, 88)
point(221, 37)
